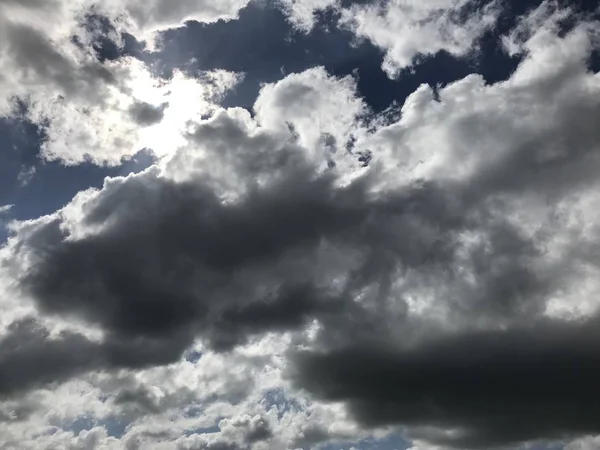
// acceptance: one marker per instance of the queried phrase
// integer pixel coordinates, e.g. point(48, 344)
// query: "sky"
point(299, 224)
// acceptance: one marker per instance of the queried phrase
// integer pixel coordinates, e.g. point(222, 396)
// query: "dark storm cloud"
point(494, 387)
point(31, 357)
point(290, 308)
point(28, 357)
point(169, 265)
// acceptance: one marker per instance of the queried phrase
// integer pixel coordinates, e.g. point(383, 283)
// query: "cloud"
point(587, 443)
point(32, 356)
point(323, 111)
point(146, 114)
point(479, 384)
point(335, 274)
point(87, 439)
point(28, 356)
point(302, 13)
point(91, 108)
point(5, 208)
point(161, 14)
point(102, 257)
point(247, 429)
point(404, 30)
point(114, 277)
point(407, 30)
point(513, 371)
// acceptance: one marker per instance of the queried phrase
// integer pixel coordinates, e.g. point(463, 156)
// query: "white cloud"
point(407, 29)
point(321, 109)
point(85, 106)
point(157, 15)
point(587, 443)
point(302, 13)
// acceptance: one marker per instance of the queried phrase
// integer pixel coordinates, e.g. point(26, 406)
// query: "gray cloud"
point(146, 114)
point(163, 269)
point(493, 387)
point(37, 60)
point(19, 411)
point(170, 261)
point(29, 357)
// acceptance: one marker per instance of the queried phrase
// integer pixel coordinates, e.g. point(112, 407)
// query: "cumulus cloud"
point(321, 110)
point(222, 290)
point(472, 383)
point(252, 265)
point(93, 110)
point(247, 429)
point(159, 15)
point(480, 384)
point(28, 355)
point(407, 29)
point(302, 13)
point(308, 272)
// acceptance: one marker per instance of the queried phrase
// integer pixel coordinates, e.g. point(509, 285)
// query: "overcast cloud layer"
point(306, 273)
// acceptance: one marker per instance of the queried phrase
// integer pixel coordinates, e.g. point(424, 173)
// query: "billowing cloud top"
point(308, 272)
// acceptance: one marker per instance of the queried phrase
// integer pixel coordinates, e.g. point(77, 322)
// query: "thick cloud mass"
point(492, 387)
point(308, 272)
point(180, 258)
point(520, 376)
point(28, 356)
